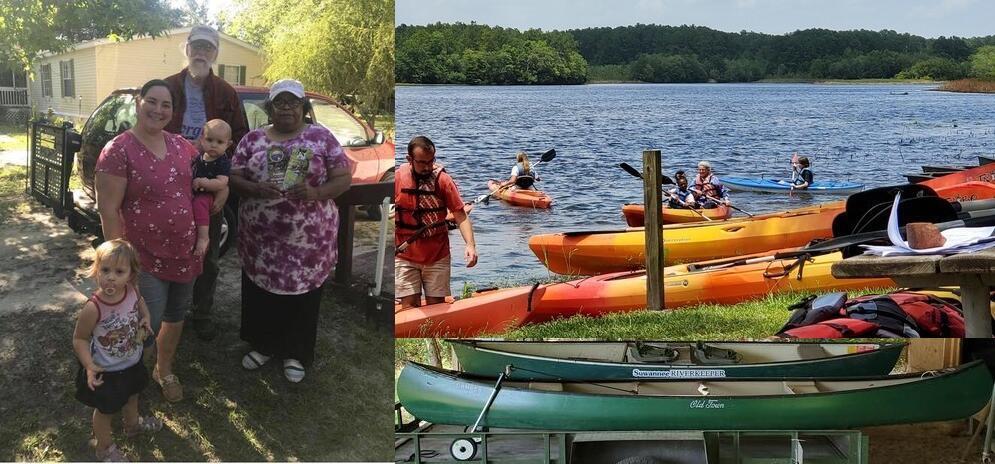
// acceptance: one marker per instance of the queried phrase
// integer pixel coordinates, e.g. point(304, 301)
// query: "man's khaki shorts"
point(410, 278)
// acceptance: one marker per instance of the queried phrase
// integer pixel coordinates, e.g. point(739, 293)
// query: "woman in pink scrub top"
point(143, 185)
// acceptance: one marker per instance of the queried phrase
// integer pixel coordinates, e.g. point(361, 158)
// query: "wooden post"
point(654, 235)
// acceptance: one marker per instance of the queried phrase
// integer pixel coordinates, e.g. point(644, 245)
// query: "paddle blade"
point(548, 155)
point(631, 170)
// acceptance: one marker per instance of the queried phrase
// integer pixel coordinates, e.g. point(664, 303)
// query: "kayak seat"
point(639, 352)
point(800, 387)
point(706, 355)
point(811, 351)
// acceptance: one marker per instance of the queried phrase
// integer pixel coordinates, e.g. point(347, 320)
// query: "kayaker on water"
point(522, 176)
point(681, 197)
point(707, 185)
point(424, 192)
point(802, 176)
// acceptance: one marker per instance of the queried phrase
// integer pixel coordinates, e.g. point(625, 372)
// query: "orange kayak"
point(635, 214)
point(598, 252)
point(521, 197)
point(488, 312)
point(502, 310)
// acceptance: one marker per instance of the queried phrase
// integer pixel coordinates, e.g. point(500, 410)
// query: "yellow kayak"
point(589, 253)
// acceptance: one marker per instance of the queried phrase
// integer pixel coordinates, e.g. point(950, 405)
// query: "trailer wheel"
point(463, 449)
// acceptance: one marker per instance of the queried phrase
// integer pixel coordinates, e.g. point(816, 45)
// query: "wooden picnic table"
point(973, 272)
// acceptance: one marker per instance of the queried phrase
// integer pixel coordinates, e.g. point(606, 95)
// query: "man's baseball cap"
point(203, 33)
point(287, 85)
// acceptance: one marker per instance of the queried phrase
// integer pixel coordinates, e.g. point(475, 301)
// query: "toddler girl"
point(108, 341)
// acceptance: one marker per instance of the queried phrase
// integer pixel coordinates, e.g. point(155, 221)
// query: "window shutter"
point(241, 75)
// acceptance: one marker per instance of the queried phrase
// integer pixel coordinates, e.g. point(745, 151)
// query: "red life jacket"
point(898, 314)
point(833, 328)
point(418, 204)
point(932, 316)
point(706, 187)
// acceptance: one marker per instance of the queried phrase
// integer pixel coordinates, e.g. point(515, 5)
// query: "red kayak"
point(521, 197)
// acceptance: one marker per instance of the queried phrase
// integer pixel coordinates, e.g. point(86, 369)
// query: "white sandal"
point(254, 360)
point(293, 370)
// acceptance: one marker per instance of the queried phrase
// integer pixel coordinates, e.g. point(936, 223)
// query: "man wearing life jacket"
point(804, 176)
point(681, 196)
point(707, 185)
point(423, 194)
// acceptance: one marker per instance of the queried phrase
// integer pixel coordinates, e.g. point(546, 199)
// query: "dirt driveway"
point(339, 413)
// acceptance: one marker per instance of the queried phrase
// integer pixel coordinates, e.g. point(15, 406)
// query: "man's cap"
point(207, 33)
point(286, 85)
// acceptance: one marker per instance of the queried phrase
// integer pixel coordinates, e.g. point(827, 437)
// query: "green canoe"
point(673, 360)
point(445, 397)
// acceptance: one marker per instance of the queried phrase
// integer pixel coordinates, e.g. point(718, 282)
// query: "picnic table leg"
point(977, 313)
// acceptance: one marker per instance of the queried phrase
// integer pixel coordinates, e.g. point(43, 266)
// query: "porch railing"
point(13, 96)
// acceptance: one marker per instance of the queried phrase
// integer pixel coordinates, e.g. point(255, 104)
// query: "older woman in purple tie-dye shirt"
point(287, 175)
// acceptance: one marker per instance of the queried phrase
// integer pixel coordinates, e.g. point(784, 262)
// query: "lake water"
point(864, 133)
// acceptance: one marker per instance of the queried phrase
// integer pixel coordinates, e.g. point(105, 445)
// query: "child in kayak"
point(802, 176)
point(522, 176)
point(709, 187)
point(681, 197)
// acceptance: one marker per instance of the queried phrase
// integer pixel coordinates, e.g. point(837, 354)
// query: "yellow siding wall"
point(102, 68)
point(78, 107)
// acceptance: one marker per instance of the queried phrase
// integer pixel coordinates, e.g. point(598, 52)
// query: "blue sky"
point(963, 18)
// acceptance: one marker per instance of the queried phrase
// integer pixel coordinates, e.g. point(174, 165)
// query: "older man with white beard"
point(200, 97)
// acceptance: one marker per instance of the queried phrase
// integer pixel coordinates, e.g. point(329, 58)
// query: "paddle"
point(665, 180)
point(716, 200)
point(634, 172)
point(421, 230)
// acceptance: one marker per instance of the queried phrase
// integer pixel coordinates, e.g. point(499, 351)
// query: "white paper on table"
point(958, 239)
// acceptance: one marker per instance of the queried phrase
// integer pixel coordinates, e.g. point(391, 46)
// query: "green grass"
point(756, 319)
point(18, 132)
point(11, 190)
point(338, 413)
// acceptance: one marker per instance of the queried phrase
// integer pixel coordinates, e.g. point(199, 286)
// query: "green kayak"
point(445, 397)
point(673, 360)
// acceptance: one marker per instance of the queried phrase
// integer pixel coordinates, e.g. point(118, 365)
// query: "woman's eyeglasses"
point(288, 104)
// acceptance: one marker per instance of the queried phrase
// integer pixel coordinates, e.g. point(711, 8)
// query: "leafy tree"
point(936, 68)
point(954, 48)
point(344, 48)
point(31, 27)
point(983, 63)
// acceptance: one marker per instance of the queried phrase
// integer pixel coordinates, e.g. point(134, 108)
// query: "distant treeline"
point(477, 54)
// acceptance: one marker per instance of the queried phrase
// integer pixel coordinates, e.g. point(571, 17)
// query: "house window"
point(235, 75)
point(68, 82)
point(46, 80)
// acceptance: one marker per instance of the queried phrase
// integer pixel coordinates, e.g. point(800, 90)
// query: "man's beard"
point(199, 69)
point(421, 177)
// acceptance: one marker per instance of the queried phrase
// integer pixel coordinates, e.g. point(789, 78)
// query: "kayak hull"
point(502, 310)
point(489, 312)
point(618, 360)
point(613, 251)
point(444, 397)
point(635, 215)
point(521, 197)
point(743, 184)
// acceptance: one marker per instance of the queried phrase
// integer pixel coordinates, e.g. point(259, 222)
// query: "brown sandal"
point(172, 390)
